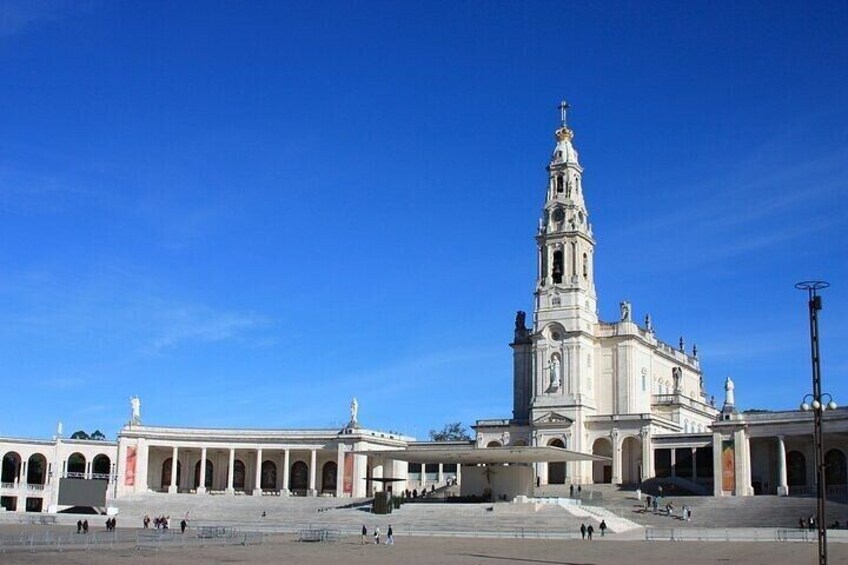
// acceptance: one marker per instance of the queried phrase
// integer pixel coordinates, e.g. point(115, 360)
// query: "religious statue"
point(682, 344)
point(354, 408)
point(626, 311)
point(553, 364)
point(676, 373)
point(648, 324)
point(135, 403)
point(59, 430)
point(695, 351)
point(520, 318)
point(728, 392)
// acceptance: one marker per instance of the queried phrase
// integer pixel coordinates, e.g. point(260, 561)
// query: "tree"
point(79, 434)
point(453, 431)
point(98, 435)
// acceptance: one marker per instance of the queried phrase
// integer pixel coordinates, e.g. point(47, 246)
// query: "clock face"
point(559, 215)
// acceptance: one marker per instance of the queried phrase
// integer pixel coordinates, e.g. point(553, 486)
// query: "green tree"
point(453, 431)
point(79, 434)
point(98, 435)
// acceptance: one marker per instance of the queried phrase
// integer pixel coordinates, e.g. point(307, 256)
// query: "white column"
point(174, 462)
point(440, 478)
point(340, 470)
point(285, 471)
point(694, 464)
point(201, 488)
point(313, 457)
point(673, 461)
point(782, 482)
point(257, 483)
point(616, 460)
point(23, 479)
point(230, 470)
point(647, 457)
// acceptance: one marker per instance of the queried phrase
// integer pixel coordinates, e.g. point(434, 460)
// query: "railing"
point(732, 534)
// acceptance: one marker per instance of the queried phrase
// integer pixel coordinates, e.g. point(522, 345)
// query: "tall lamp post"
point(818, 407)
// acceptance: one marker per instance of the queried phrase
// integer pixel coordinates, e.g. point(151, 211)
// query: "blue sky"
point(247, 213)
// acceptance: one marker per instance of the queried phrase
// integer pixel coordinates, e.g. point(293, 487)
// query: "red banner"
point(348, 473)
point(728, 465)
point(129, 475)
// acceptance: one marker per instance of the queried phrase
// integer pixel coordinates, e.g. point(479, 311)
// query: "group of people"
point(590, 530)
point(390, 535)
point(82, 526)
point(809, 523)
point(163, 522)
point(110, 524)
point(415, 494)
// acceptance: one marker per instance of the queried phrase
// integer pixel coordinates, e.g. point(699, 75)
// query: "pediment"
point(552, 418)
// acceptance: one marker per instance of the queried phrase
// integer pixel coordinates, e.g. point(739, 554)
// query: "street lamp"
point(818, 407)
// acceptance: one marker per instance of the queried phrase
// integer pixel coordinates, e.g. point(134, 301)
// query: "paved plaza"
point(449, 551)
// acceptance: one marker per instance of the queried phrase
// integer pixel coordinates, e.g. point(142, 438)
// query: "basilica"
point(594, 401)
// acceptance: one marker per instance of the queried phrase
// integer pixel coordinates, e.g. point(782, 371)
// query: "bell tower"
point(565, 286)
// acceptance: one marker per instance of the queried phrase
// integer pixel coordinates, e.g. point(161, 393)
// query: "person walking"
point(603, 528)
point(571, 491)
point(377, 535)
point(79, 526)
point(183, 525)
point(583, 530)
point(390, 536)
point(590, 530)
point(364, 534)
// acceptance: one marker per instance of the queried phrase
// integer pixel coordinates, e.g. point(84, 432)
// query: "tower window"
point(585, 266)
point(559, 183)
point(557, 270)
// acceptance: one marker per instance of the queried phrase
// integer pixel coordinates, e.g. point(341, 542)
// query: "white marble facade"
point(603, 387)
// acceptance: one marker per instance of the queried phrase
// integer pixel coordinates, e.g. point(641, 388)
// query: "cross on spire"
point(563, 113)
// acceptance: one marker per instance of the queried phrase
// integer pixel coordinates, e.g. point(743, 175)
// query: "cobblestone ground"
point(450, 551)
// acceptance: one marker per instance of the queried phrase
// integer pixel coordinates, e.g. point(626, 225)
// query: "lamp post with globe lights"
point(818, 407)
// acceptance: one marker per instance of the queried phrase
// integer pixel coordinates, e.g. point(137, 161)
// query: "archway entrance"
point(328, 477)
point(37, 469)
point(834, 468)
point(76, 466)
point(796, 465)
point(101, 466)
point(299, 479)
point(11, 467)
point(602, 470)
point(166, 473)
point(238, 475)
point(631, 460)
point(556, 470)
point(269, 476)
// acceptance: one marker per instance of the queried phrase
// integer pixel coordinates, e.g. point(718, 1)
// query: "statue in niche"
point(676, 374)
point(626, 311)
point(354, 409)
point(553, 365)
point(135, 404)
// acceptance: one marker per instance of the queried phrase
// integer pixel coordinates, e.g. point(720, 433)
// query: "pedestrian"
point(571, 491)
point(802, 522)
point(659, 490)
point(579, 489)
point(183, 526)
point(390, 536)
point(583, 530)
point(639, 494)
point(364, 533)
point(603, 528)
point(377, 535)
point(590, 530)
point(655, 505)
point(79, 526)
point(85, 526)
point(146, 521)
point(689, 514)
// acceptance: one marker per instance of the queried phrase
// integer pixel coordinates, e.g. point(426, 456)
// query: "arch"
point(239, 474)
point(796, 465)
point(493, 443)
point(268, 476)
point(207, 483)
point(631, 460)
point(556, 470)
point(11, 467)
point(834, 468)
point(602, 470)
point(299, 477)
point(37, 469)
point(76, 464)
point(101, 466)
point(328, 477)
point(166, 472)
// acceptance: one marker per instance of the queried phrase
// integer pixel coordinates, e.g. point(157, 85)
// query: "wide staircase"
point(710, 511)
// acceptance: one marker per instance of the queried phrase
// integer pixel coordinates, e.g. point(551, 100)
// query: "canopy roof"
point(471, 455)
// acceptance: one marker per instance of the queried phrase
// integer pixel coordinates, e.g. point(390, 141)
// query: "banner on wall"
point(129, 475)
point(348, 473)
point(728, 465)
